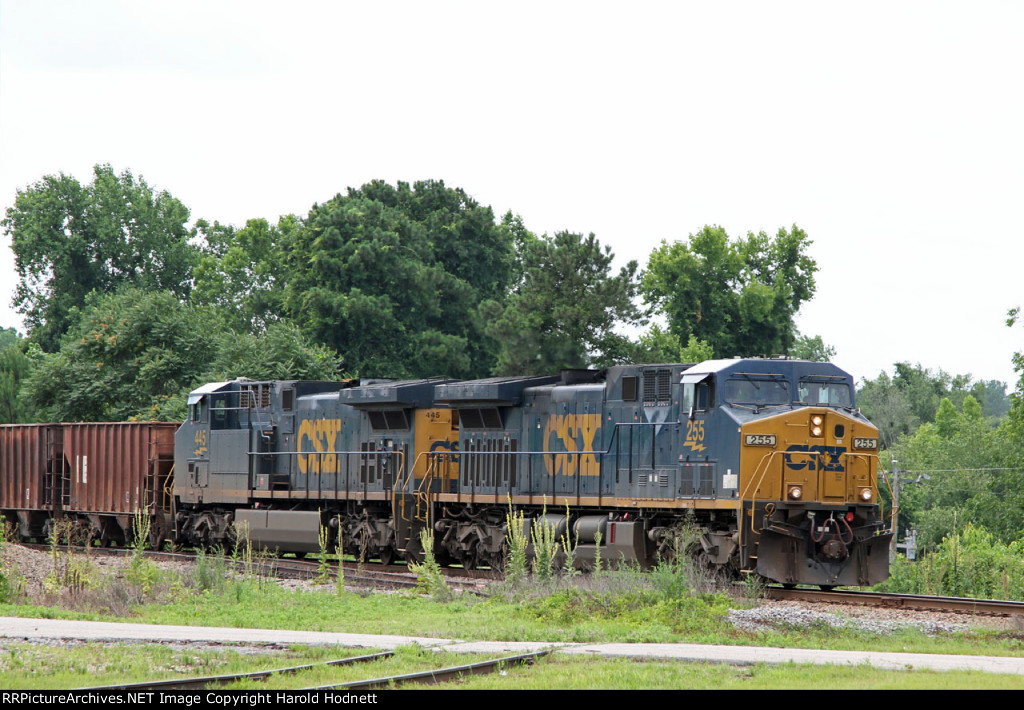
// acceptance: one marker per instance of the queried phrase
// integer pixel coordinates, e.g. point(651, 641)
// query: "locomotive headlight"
point(795, 492)
point(866, 495)
point(816, 423)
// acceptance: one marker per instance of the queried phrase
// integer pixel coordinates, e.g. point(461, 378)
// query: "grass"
point(25, 666)
point(561, 672)
point(616, 606)
point(28, 665)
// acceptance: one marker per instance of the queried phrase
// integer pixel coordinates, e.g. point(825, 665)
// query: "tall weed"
point(545, 546)
point(428, 573)
point(516, 542)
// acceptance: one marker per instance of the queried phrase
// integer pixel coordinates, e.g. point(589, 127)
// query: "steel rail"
point(440, 675)
point(205, 682)
point(916, 602)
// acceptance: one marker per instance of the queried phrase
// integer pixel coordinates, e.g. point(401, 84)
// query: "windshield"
point(836, 394)
point(758, 392)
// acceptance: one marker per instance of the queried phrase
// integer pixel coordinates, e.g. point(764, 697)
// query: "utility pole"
point(895, 509)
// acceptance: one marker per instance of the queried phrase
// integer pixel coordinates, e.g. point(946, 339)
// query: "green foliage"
point(15, 366)
point(659, 345)
point(282, 352)
point(740, 297)
point(209, 573)
point(8, 337)
point(391, 277)
point(129, 353)
point(240, 271)
point(323, 572)
point(69, 575)
point(901, 403)
point(70, 240)
point(812, 348)
point(428, 573)
point(516, 542)
point(10, 588)
point(682, 613)
point(973, 475)
point(968, 563)
point(135, 355)
point(564, 311)
point(545, 547)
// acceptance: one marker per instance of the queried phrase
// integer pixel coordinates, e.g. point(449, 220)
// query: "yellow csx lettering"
point(317, 436)
point(573, 432)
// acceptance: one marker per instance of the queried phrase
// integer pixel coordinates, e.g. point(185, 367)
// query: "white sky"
point(892, 133)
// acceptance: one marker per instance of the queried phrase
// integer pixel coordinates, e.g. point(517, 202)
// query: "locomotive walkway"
point(736, 655)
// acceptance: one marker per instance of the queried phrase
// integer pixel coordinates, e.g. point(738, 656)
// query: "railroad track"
point(397, 576)
point(431, 677)
point(368, 574)
point(217, 681)
point(915, 602)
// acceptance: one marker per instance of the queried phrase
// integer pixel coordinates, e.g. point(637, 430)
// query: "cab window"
point(697, 396)
point(836, 394)
point(756, 391)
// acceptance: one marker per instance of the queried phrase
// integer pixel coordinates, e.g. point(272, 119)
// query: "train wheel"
point(387, 555)
point(826, 587)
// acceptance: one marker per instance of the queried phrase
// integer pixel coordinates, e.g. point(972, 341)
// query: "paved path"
point(740, 655)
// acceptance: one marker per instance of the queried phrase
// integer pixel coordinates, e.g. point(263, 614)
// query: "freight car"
point(95, 476)
point(768, 457)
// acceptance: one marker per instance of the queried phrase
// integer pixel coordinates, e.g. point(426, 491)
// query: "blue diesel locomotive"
point(768, 458)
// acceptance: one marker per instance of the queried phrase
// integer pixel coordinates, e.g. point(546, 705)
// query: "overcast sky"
point(891, 132)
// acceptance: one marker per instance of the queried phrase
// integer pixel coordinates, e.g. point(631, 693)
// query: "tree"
point(392, 277)
point(69, 240)
point(15, 366)
point(964, 459)
point(8, 336)
point(741, 297)
point(888, 408)
point(898, 405)
point(283, 352)
point(658, 345)
point(240, 270)
point(813, 349)
point(128, 353)
point(564, 311)
point(137, 354)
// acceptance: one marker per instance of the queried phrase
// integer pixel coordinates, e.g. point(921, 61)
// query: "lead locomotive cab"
point(235, 440)
point(805, 468)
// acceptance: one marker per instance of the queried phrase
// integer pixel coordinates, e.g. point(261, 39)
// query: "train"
point(768, 460)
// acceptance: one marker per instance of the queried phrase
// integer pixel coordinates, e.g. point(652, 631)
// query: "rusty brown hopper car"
point(94, 475)
point(27, 456)
point(115, 469)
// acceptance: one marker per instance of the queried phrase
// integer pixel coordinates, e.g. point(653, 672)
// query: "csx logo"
point(318, 436)
point(572, 433)
point(446, 447)
point(809, 456)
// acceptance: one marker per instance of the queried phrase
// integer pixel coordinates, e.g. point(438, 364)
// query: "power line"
point(959, 470)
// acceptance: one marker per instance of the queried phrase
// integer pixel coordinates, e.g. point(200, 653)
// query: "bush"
point(969, 563)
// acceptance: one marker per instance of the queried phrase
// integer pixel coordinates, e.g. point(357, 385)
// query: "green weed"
point(428, 573)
